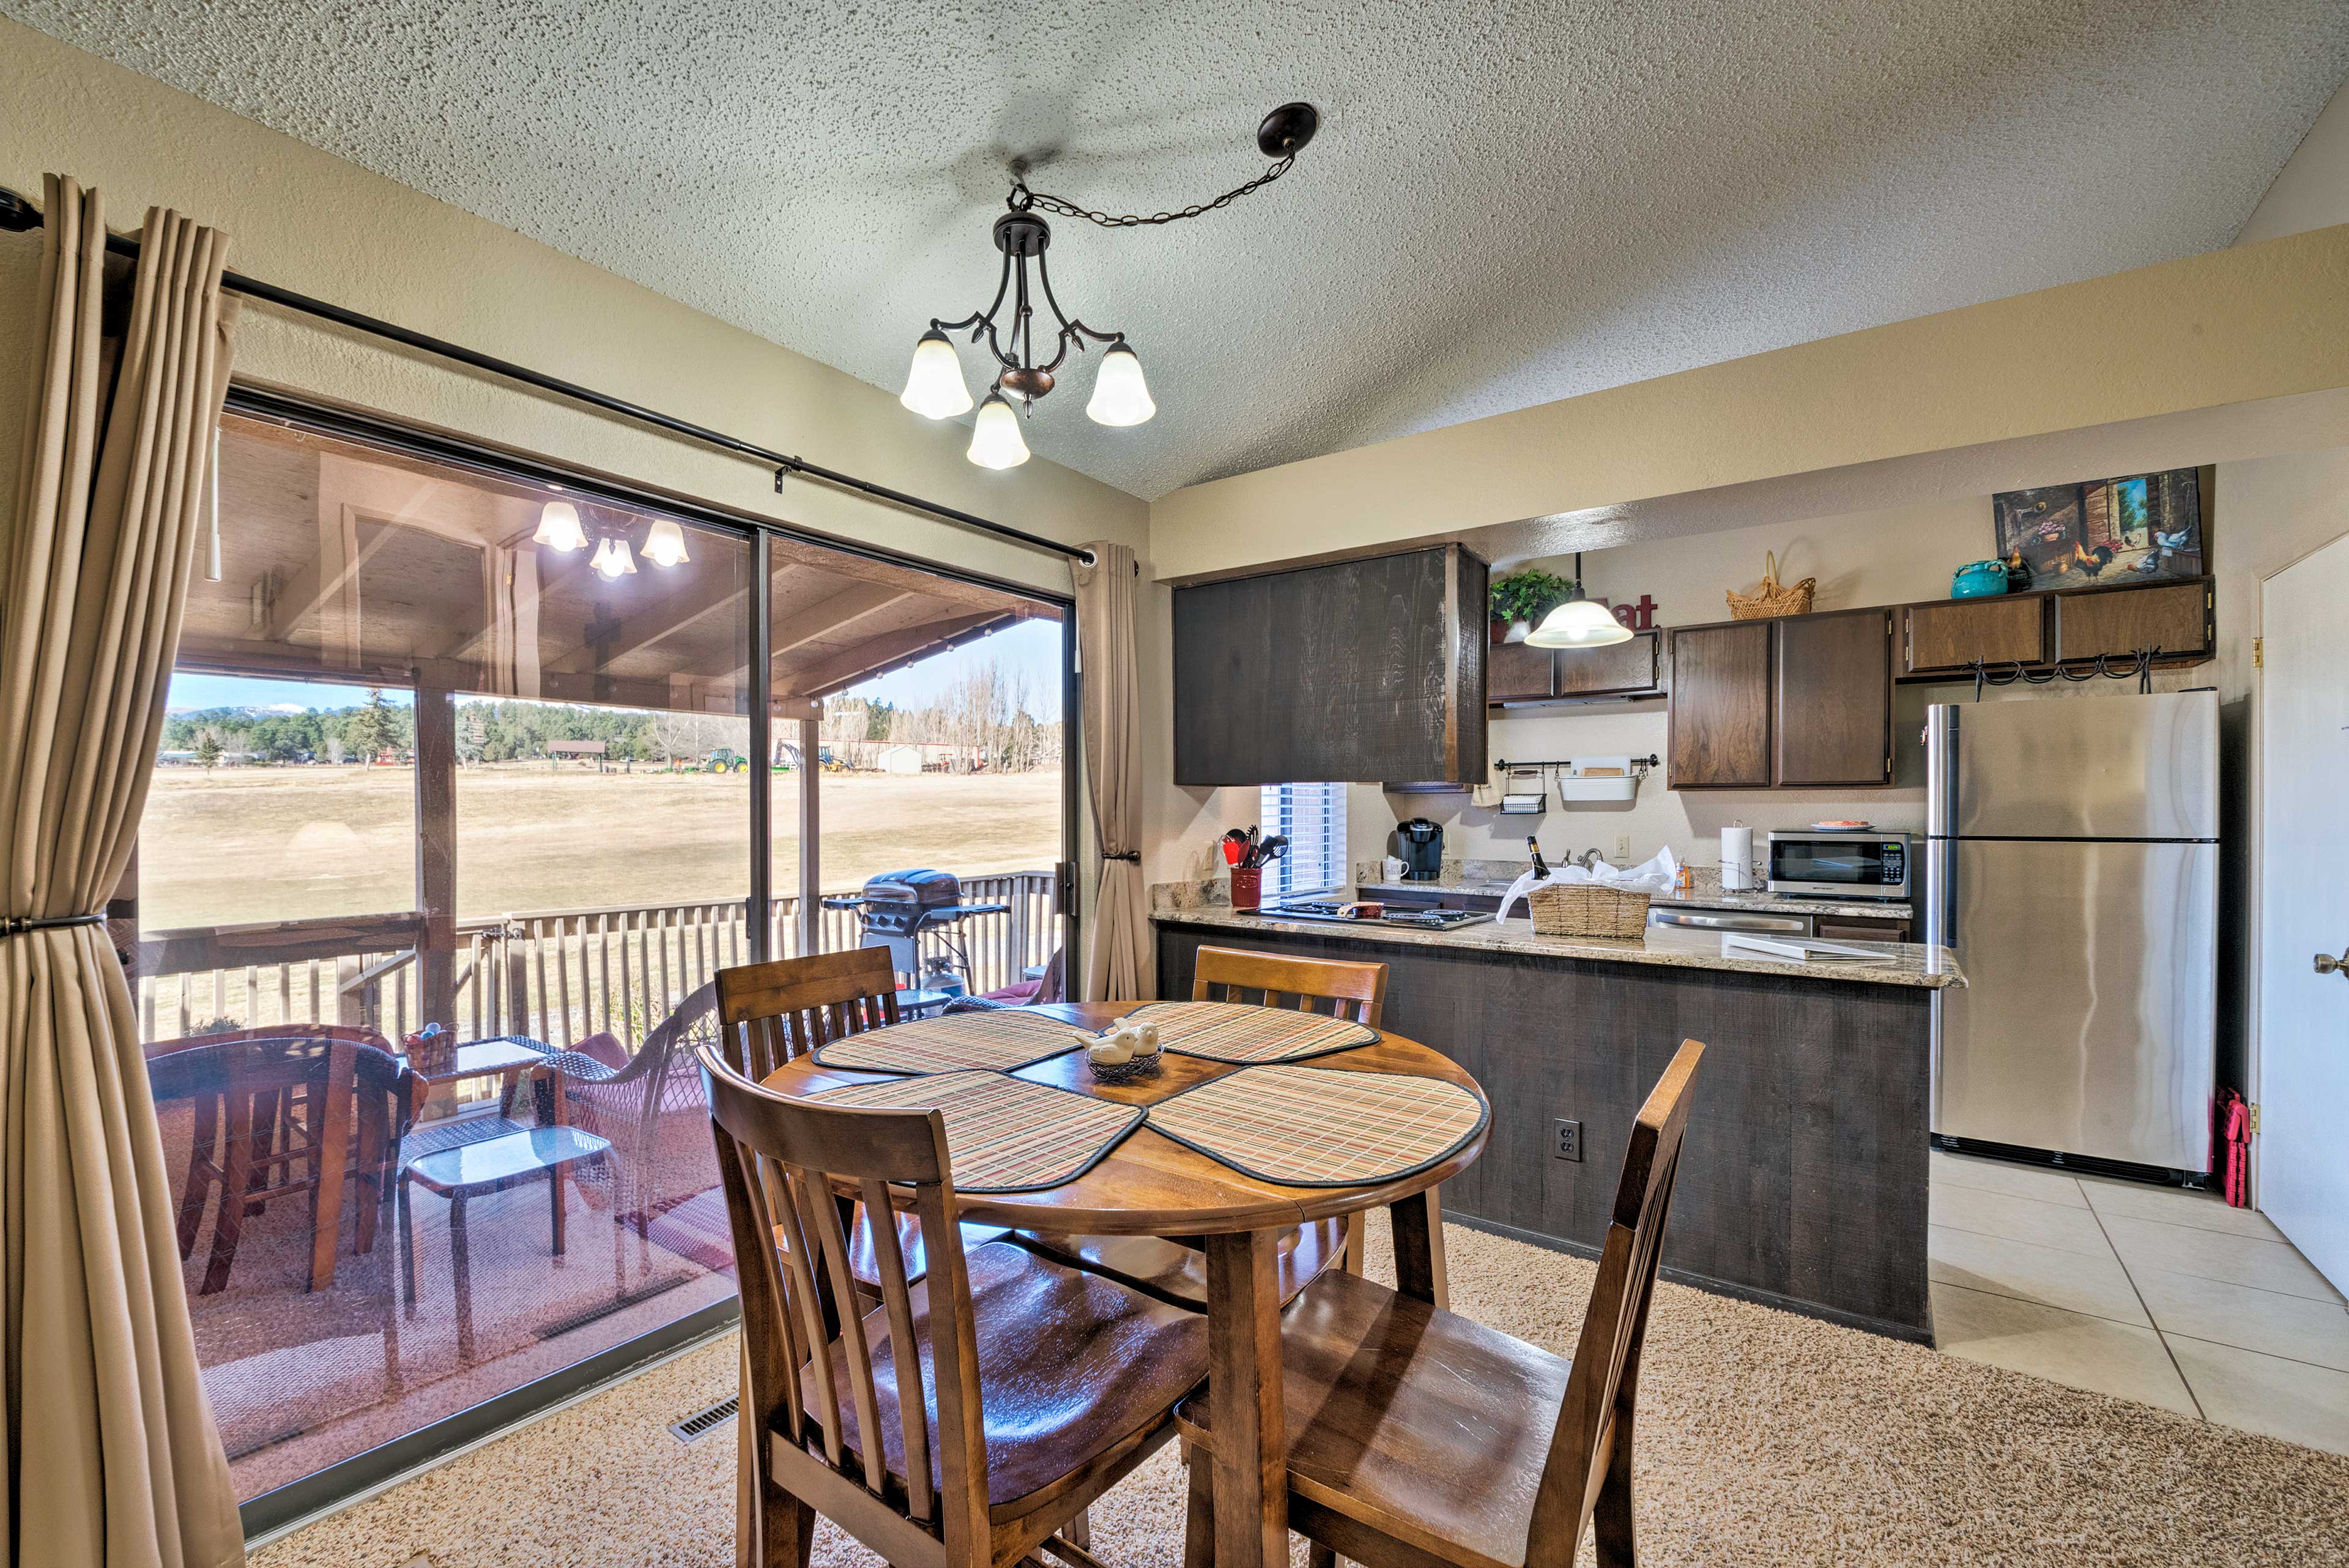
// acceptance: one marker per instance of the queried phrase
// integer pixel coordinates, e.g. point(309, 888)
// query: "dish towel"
point(1486, 796)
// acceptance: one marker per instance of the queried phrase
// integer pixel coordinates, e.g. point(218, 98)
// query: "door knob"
point(2327, 965)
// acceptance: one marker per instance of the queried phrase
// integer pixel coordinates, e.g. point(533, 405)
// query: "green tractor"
point(725, 761)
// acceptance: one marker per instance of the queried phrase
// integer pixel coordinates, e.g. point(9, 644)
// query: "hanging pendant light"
point(934, 384)
point(934, 387)
point(665, 546)
point(995, 438)
point(1121, 397)
point(1578, 623)
point(558, 527)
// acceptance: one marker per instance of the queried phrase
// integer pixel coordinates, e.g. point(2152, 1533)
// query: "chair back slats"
point(774, 1012)
point(1352, 990)
point(1601, 1386)
point(796, 1167)
point(823, 1212)
point(906, 1352)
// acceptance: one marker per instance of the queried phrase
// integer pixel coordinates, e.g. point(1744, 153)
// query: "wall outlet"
point(1570, 1140)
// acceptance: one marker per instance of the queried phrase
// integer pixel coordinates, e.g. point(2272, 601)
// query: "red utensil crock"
point(1248, 887)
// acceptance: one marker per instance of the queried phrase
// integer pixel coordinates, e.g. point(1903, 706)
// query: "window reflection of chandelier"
point(560, 528)
point(935, 388)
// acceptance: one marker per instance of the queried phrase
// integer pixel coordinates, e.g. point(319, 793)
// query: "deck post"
point(436, 853)
point(810, 907)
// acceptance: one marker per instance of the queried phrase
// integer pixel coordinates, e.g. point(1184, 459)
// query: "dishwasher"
point(1703, 921)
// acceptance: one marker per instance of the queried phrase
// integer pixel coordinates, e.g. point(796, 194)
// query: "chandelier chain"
point(1022, 198)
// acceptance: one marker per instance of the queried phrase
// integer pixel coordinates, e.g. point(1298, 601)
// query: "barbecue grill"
point(897, 908)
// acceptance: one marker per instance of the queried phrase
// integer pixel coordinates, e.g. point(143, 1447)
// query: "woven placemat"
point(1005, 1133)
point(1317, 1127)
point(1240, 1031)
point(1000, 1041)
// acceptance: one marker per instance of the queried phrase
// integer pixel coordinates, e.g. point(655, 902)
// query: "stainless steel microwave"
point(1842, 864)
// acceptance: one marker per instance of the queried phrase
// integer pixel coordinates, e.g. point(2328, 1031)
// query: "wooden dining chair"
point(1176, 1272)
point(769, 1013)
point(1355, 991)
point(964, 1420)
point(1417, 1438)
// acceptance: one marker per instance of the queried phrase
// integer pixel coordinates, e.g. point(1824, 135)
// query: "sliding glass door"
point(458, 814)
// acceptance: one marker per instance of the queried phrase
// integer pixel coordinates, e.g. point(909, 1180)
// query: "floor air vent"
point(700, 1424)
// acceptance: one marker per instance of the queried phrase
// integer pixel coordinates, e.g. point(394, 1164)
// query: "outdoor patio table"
point(1150, 1185)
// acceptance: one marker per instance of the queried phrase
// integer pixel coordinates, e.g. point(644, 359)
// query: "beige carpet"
point(1764, 1438)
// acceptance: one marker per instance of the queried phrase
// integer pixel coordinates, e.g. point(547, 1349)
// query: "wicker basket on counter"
point(1587, 910)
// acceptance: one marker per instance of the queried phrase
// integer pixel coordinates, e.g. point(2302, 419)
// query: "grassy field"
point(284, 843)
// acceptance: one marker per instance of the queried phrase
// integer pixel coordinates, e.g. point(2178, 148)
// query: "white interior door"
point(2303, 1086)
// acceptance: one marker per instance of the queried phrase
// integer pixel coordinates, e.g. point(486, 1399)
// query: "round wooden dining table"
point(1150, 1185)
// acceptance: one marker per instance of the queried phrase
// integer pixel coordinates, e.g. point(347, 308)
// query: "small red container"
point(1248, 887)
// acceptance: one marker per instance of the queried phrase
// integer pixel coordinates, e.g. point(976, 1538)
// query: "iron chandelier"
point(935, 386)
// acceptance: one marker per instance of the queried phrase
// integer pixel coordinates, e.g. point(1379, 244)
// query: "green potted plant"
point(1522, 599)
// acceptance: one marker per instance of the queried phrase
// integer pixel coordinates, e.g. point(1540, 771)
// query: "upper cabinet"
point(1355, 672)
point(1796, 702)
point(2172, 620)
point(1520, 676)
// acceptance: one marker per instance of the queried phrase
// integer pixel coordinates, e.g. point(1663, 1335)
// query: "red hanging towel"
point(2235, 1137)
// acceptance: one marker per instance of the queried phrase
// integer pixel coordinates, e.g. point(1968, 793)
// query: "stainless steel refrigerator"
point(2072, 861)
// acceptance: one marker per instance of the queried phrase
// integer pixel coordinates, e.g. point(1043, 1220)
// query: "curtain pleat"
point(1119, 966)
point(112, 1456)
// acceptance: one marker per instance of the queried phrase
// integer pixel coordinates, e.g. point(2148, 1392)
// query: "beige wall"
point(307, 220)
point(2236, 326)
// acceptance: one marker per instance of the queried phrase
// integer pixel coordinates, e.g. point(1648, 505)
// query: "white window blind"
point(1313, 816)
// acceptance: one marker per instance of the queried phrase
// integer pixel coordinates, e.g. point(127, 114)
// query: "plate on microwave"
point(1843, 826)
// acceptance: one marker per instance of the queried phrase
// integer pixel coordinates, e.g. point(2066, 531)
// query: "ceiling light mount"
point(935, 387)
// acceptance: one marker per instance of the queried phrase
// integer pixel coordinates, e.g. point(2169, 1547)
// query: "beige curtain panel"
point(1119, 965)
point(112, 1456)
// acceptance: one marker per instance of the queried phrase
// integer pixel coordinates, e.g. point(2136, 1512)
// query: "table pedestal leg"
point(1251, 1446)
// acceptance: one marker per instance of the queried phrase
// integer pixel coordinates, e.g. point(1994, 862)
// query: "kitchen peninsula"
point(1804, 1182)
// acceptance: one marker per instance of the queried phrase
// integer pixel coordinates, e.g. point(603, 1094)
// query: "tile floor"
point(2149, 1293)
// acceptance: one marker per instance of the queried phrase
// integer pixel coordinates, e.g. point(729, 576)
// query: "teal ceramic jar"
point(1979, 578)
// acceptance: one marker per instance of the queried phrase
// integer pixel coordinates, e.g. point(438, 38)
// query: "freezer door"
point(2100, 767)
point(2086, 1021)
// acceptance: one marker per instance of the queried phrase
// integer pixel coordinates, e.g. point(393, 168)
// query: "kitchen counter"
point(1769, 903)
point(1803, 1183)
point(1929, 969)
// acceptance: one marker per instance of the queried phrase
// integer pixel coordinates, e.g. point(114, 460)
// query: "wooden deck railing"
point(558, 975)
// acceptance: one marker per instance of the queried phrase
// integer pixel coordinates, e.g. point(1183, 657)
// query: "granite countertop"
point(1927, 968)
point(1701, 898)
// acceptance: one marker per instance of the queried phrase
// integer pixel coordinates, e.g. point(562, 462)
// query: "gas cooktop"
point(1420, 920)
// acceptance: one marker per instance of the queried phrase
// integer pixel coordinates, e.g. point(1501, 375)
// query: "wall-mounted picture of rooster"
point(2142, 526)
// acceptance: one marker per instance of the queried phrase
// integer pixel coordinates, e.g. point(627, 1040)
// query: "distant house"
point(899, 759)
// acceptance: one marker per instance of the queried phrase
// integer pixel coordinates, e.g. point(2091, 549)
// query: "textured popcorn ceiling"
point(1508, 204)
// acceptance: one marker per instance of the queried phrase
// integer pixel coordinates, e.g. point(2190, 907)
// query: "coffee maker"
point(1421, 844)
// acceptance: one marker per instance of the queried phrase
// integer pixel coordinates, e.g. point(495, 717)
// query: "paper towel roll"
point(1736, 857)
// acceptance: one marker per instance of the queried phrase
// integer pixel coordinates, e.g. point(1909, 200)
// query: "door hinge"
point(2255, 1109)
point(2259, 653)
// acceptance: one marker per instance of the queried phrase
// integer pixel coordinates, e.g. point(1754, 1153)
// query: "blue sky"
point(1032, 647)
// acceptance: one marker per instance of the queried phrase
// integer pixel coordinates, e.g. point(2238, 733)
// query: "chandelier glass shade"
point(995, 438)
point(558, 527)
point(665, 546)
point(935, 388)
point(1120, 395)
point(613, 559)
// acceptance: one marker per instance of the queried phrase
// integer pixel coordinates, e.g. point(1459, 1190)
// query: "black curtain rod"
point(19, 214)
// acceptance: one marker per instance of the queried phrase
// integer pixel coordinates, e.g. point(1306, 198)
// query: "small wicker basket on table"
point(1587, 910)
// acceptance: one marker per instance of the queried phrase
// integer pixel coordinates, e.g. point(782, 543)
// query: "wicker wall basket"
point(1587, 910)
point(1775, 598)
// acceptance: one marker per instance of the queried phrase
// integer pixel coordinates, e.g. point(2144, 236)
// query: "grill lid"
point(920, 889)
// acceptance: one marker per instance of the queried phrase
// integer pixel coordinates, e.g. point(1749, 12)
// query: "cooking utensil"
point(1272, 849)
point(1231, 848)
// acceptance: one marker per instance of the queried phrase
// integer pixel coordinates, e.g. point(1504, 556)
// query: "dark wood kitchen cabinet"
point(1834, 690)
point(1353, 672)
point(1799, 702)
point(1719, 724)
point(1520, 676)
point(2175, 617)
point(1954, 633)
point(1517, 673)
